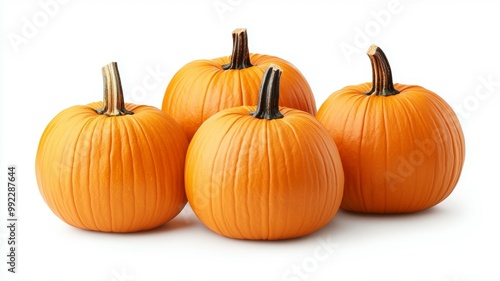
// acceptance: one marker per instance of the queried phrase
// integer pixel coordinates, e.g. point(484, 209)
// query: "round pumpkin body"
point(203, 87)
point(112, 173)
point(401, 152)
point(260, 179)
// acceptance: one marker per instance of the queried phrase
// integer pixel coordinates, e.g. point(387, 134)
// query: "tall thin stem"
point(381, 73)
point(240, 58)
point(113, 103)
point(269, 95)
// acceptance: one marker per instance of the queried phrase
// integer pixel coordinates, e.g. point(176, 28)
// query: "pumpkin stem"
point(381, 73)
point(240, 58)
point(269, 95)
point(113, 103)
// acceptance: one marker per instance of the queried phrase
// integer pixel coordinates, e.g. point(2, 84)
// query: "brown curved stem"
point(269, 95)
point(113, 103)
point(240, 58)
point(381, 73)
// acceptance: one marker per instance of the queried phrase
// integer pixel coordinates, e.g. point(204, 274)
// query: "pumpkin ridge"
point(248, 129)
point(268, 225)
point(221, 193)
point(92, 125)
point(211, 79)
point(337, 175)
point(210, 193)
point(409, 130)
point(225, 192)
point(48, 195)
point(111, 186)
point(335, 166)
point(240, 124)
point(415, 123)
point(284, 121)
point(75, 216)
point(422, 121)
point(181, 153)
point(60, 207)
point(347, 103)
point(272, 155)
point(242, 89)
point(364, 108)
point(68, 212)
point(307, 147)
point(387, 145)
point(127, 140)
point(171, 170)
point(312, 147)
point(249, 132)
point(299, 140)
point(441, 109)
point(156, 164)
point(432, 197)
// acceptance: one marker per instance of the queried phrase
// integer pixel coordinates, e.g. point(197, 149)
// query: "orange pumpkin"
point(402, 146)
point(203, 87)
point(112, 166)
point(264, 172)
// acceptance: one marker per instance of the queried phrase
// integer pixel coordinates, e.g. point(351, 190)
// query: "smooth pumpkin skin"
point(112, 174)
point(202, 88)
point(402, 153)
point(250, 178)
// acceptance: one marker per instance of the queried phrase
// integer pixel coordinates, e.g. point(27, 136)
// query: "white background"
point(51, 58)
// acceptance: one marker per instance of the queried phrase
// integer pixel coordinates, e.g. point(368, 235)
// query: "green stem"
point(269, 95)
point(381, 73)
point(240, 58)
point(113, 103)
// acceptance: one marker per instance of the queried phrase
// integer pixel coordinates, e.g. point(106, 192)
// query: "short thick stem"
point(381, 73)
point(113, 103)
point(269, 94)
point(240, 58)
